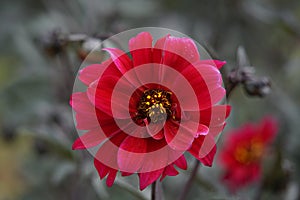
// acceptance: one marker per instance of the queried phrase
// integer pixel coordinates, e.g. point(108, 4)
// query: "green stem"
point(190, 181)
point(153, 191)
point(156, 191)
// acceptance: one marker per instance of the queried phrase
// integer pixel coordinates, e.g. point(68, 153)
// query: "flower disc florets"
point(155, 106)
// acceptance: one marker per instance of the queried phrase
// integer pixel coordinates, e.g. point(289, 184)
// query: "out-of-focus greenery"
point(36, 161)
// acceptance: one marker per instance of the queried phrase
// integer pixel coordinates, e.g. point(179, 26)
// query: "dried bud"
point(244, 74)
point(258, 87)
point(86, 50)
point(53, 43)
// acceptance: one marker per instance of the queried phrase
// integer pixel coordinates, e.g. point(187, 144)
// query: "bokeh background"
point(41, 46)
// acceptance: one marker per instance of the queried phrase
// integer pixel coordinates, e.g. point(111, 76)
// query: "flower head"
point(143, 110)
point(244, 150)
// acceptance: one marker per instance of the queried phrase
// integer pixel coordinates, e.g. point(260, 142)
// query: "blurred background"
point(42, 46)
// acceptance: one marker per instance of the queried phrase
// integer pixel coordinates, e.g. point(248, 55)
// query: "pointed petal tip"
point(111, 178)
point(149, 177)
point(181, 163)
point(209, 158)
point(228, 110)
point(78, 145)
point(220, 63)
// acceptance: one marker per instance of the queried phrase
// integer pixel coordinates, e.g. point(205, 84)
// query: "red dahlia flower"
point(244, 150)
point(146, 108)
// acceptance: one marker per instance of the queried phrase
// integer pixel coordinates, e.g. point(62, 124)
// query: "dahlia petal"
point(86, 122)
point(218, 115)
point(124, 64)
point(100, 98)
point(208, 73)
point(90, 139)
point(183, 47)
point(213, 116)
point(103, 170)
point(195, 83)
point(107, 153)
point(160, 43)
point(96, 135)
point(216, 63)
point(187, 99)
point(154, 145)
point(194, 128)
point(131, 154)
point(126, 174)
point(202, 130)
point(181, 162)
point(134, 129)
point(147, 73)
point(100, 94)
point(209, 158)
point(120, 58)
point(209, 141)
point(158, 49)
point(204, 79)
point(178, 140)
point(204, 146)
point(169, 171)
point(86, 113)
point(157, 156)
point(174, 52)
point(148, 178)
point(111, 178)
point(155, 130)
point(80, 103)
point(91, 73)
point(141, 48)
point(196, 147)
point(160, 135)
point(143, 40)
point(217, 95)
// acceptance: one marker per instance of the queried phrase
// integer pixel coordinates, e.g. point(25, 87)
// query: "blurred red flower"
point(139, 109)
point(244, 150)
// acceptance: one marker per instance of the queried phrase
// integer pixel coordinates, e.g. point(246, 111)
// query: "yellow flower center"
point(249, 153)
point(155, 105)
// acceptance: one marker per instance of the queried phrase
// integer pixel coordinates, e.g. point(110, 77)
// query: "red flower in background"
point(244, 150)
point(145, 110)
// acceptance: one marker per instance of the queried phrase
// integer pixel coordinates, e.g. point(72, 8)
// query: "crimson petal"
point(181, 162)
point(196, 147)
point(131, 154)
point(92, 72)
point(178, 140)
point(148, 178)
point(216, 63)
point(169, 171)
point(103, 170)
point(89, 139)
point(141, 48)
